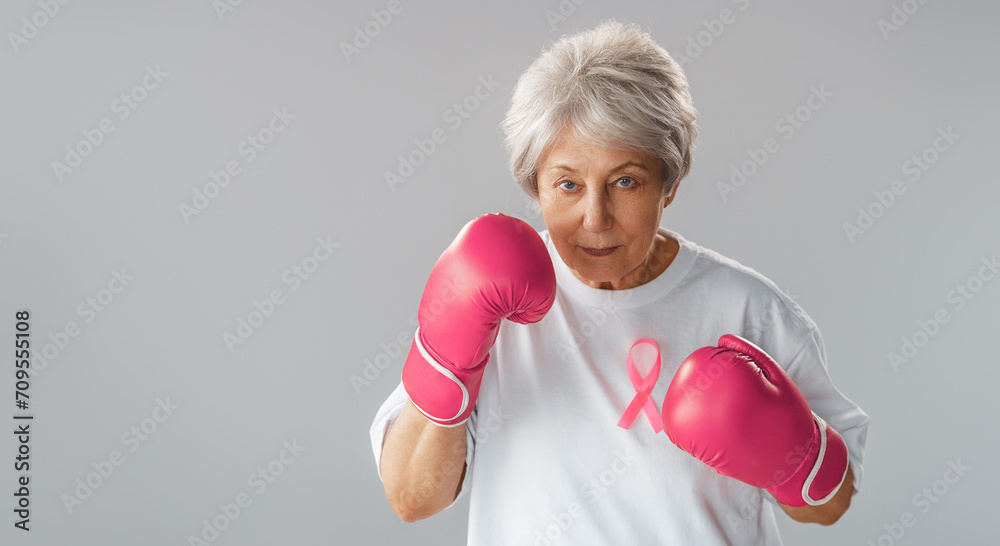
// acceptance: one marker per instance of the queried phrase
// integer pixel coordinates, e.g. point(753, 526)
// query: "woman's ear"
point(669, 198)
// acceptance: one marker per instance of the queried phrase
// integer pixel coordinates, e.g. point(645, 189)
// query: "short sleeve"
point(787, 333)
point(386, 416)
point(808, 369)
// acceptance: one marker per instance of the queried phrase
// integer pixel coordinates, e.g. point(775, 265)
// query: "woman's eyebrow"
point(632, 164)
point(564, 167)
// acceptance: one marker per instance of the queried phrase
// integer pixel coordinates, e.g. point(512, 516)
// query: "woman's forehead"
point(570, 141)
point(573, 156)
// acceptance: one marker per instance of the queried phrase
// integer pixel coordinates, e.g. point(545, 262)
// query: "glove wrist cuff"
point(444, 395)
point(821, 473)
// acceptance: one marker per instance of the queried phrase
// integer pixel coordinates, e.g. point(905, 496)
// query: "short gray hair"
point(615, 87)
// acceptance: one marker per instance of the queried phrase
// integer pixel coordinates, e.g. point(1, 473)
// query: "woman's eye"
point(627, 179)
point(566, 182)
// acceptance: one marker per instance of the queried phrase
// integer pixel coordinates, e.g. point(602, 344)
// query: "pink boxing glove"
point(496, 268)
point(737, 411)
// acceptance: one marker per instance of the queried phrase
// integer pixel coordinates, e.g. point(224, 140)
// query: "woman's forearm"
point(422, 465)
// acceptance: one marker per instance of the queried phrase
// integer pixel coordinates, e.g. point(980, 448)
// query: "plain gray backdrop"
point(313, 369)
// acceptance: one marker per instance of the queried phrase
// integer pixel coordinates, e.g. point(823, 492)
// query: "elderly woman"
point(550, 423)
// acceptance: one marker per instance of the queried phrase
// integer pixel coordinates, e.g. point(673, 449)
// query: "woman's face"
point(602, 208)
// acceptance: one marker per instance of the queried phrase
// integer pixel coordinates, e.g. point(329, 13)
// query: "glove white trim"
point(447, 373)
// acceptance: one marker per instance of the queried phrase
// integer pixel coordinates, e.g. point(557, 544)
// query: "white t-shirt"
point(548, 463)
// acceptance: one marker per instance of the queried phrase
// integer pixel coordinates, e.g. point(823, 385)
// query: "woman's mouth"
point(598, 252)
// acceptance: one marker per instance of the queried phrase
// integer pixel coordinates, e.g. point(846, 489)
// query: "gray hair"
point(616, 88)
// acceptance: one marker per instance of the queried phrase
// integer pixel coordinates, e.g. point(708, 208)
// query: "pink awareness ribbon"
point(643, 388)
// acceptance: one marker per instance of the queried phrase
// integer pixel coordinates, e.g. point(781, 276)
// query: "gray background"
point(324, 176)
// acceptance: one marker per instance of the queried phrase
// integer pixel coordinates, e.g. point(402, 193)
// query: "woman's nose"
point(597, 213)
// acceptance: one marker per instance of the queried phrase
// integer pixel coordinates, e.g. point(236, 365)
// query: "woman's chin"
point(598, 274)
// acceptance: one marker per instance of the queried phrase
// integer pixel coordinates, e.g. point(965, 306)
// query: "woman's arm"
point(828, 513)
point(422, 465)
